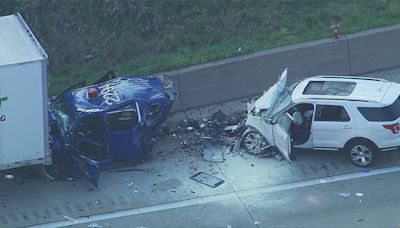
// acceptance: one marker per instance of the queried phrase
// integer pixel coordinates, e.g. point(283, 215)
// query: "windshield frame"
point(64, 114)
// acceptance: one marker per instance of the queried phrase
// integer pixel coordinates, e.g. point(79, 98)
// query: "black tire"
point(254, 143)
point(361, 152)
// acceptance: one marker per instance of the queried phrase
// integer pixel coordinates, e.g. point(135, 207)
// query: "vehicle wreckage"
point(82, 129)
point(110, 121)
point(357, 115)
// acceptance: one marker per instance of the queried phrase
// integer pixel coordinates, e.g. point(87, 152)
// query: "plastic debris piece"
point(190, 128)
point(94, 225)
point(359, 194)
point(257, 222)
point(344, 194)
point(9, 177)
point(135, 191)
point(130, 184)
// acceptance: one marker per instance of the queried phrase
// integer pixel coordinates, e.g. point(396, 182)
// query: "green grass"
point(86, 38)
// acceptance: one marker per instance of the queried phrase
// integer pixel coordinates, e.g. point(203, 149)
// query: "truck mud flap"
point(88, 167)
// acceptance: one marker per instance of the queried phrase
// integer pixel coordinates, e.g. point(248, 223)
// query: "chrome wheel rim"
point(361, 155)
point(255, 143)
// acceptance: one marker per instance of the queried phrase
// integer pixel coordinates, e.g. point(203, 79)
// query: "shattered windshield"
point(64, 115)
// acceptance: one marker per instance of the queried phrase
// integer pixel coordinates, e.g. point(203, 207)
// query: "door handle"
point(347, 127)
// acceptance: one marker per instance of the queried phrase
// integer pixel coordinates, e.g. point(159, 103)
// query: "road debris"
point(70, 219)
point(9, 177)
point(130, 170)
point(207, 179)
point(212, 151)
point(359, 194)
point(94, 225)
point(344, 194)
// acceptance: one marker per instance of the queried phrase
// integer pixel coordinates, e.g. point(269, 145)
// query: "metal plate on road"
point(207, 179)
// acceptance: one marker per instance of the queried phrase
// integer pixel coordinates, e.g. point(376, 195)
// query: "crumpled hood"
point(270, 97)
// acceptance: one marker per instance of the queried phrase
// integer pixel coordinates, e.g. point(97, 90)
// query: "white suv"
point(360, 115)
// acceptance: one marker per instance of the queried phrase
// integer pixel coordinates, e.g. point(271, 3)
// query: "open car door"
point(90, 146)
point(88, 167)
point(281, 135)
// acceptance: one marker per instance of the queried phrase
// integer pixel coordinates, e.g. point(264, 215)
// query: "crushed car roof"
point(117, 91)
point(344, 88)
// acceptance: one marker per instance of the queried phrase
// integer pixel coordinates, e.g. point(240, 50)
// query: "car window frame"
point(334, 121)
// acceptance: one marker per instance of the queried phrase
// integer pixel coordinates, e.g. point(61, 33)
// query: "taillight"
point(395, 128)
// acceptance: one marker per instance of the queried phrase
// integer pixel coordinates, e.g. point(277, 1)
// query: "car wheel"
point(254, 143)
point(361, 153)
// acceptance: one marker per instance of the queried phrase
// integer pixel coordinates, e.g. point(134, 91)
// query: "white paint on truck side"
point(24, 130)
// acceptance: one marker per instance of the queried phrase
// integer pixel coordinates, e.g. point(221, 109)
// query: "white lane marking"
point(224, 196)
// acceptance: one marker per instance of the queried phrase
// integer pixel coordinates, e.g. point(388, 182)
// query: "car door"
point(124, 133)
point(332, 126)
point(281, 135)
point(90, 147)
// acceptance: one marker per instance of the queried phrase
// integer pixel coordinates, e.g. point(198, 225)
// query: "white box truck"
point(24, 130)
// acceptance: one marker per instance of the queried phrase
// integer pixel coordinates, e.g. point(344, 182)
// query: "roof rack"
point(338, 98)
point(354, 77)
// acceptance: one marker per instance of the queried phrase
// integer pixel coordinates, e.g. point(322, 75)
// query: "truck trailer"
point(24, 128)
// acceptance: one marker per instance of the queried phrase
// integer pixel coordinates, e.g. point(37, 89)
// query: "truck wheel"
point(361, 152)
point(254, 143)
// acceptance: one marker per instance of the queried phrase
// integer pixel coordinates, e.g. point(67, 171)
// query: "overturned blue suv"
point(110, 121)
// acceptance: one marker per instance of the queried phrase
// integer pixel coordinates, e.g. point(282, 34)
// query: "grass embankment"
point(86, 38)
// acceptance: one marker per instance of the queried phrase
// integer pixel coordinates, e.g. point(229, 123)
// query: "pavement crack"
point(238, 197)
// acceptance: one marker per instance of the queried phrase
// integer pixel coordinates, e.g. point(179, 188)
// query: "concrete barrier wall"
point(245, 76)
point(375, 49)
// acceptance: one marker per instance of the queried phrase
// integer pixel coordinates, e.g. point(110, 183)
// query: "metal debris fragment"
point(130, 170)
point(207, 179)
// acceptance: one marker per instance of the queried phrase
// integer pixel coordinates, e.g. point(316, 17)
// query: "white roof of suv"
point(347, 88)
